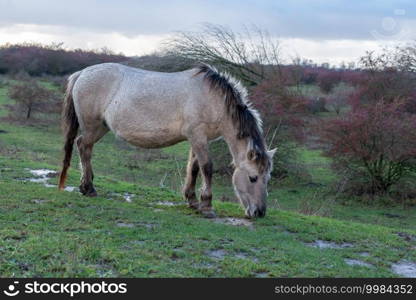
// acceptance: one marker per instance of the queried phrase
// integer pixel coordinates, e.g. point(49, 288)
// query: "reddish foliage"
point(328, 79)
point(52, 60)
point(379, 140)
point(279, 107)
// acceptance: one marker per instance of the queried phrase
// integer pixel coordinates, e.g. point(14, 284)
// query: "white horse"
point(153, 110)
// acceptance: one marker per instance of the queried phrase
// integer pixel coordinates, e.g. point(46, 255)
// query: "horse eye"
point(252, 178)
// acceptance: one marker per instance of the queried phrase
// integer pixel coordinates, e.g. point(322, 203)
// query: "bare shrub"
point(339, 98)
point(250, 56)
point(31, 97)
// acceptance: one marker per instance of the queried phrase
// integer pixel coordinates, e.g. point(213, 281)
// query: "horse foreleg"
point(205, 166)
point(85, 154)
point(192, 171)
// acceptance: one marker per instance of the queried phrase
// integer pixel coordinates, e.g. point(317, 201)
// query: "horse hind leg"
point(85, 144)
point(192, 171)
point(200, 148)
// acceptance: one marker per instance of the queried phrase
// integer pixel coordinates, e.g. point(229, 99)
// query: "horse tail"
point(70, 127)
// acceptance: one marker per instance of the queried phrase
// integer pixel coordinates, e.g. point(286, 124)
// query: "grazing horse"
point(154, 110)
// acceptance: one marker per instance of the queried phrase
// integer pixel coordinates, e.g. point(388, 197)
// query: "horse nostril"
point(261, 212)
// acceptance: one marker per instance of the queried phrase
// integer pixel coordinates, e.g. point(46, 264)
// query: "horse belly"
point(155, 138)
point(147, 132)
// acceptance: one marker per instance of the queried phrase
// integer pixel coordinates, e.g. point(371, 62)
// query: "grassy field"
point(44, 232)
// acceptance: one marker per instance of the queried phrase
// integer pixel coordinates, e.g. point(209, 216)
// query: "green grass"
point(44, 232)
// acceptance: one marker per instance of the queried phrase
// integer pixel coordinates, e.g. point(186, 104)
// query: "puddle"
point(261, 275)
point(356, 262)
point(204, 265)
point(147, 225)
point(138, 242)
point(328, 245)
point(69, 188)
point(407, 236)
point(234, 221)
point(39, 201)
point(242, 255)
point(166, 203)
point(126, 225)
point(404, 268)
point(364, 254)
point(43, 175)
point(217, 254)
point(128, 197)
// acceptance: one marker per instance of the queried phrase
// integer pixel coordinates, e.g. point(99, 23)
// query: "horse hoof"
point(193, 205)
point(90, 192)
point(209, 214)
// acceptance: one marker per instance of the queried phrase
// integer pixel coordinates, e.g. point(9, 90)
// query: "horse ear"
point(271, 152)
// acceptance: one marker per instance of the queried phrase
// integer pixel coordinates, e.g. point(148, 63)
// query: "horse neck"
point(238, 147)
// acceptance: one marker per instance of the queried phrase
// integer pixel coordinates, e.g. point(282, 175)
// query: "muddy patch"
point(321, 244)
point(407, 236)
point(125, 225)
point(205, 265)
point(243, 255)
point(43, 175)
point(217, 254)
point(166, 203)
point(261, 275)
point(234, 222)
point(39, 201)
point(70, 188)
point(220, 254)
point(148, 225)
point(126, 196)
point(404, 268)
point(357, 262)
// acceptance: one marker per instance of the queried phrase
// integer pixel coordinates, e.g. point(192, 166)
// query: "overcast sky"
point(322, 30)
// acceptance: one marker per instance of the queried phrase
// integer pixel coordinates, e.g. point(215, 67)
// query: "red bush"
point(328, 79)
point(377, 142)
point(280, 107)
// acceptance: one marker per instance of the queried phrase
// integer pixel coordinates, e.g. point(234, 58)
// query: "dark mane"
point(246, 119)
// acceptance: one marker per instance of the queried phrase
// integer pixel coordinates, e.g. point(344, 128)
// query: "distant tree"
point(328, 79)
point(29, 96)
point(38, 60)
point(383, 78)
point(161, 62)
point(338, 99)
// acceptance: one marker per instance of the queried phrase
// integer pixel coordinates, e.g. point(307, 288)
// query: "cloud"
point(45, 34)
point(315, 19)
point(323, 30)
